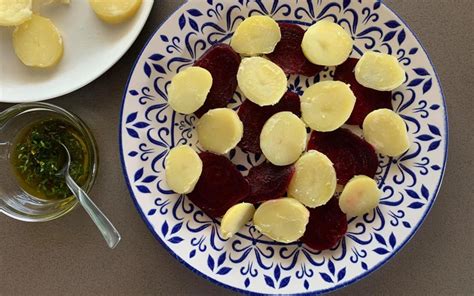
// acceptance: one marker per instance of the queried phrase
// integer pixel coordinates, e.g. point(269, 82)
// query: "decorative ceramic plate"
point(91, 47)
point(250, 262)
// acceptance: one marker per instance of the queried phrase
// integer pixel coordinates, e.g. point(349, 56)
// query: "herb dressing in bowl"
point(38, 158)
point(30, 135)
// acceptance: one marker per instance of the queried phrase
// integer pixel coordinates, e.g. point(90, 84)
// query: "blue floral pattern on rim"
point(250, 262)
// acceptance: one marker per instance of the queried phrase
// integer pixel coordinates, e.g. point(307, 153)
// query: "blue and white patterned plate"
point(250, 262)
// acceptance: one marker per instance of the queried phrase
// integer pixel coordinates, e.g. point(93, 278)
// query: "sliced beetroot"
point(289, 55)
point(223, 63)
point(220, 186)
point(350, 154)
point(268, 181)
point(327, 225)
point(368, 99)
point(254, 117)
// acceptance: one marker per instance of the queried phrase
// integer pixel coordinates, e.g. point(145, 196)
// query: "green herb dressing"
point(37, 158)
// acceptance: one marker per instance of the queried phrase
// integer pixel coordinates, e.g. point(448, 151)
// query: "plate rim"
point(147, 4)
point(247, 292)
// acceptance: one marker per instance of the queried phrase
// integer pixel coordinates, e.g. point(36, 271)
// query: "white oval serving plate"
point(91, 47)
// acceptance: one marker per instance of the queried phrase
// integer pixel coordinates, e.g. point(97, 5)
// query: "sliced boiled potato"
point(189, 89)
point(115, 11)
point(360, 196)
point(283, 220)
point(327, 105)
point(220, 130)
point(183, 169)
point(256, 35)
point(261, 81)
point(15, 12)
point(327, 44)
point(379, 71)
point(314, 181)
point(235, 218)
point(38, 43)
point(387, 132)
point(283, 138)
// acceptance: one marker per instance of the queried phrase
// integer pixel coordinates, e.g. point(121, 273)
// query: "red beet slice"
point(327, 225)
point(268, 181)
point(350, 154)
point(368, 99)
point(223, 63)
point(254, 117)
point(220, 186)
point(289, 55)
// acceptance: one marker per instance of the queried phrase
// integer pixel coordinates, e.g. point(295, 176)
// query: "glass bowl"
point(14, 200)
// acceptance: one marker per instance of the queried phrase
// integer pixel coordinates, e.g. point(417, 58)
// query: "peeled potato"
point(360, 196)
point(220, 130)
point(327, 44)
point(327, 105)
point(261, 81)
point(283, 220)
point(14, 12)
point(379, 71)
point(283, 138)
point(314, 181)
point(235, 218)
point(189, 89)
point(115, 11)
point(387, 132)
point(38, 43)
point(183, 169)
point(256, 35)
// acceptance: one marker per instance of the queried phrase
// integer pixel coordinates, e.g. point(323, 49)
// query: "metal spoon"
point(108, 231)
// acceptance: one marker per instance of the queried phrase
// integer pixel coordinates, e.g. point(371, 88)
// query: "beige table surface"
point(68, 256)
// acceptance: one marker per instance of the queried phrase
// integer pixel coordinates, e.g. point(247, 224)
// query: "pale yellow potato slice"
point(235, 218)
point(183, 169)
point(327, 44)
point(360, 196)
point(38, 43)
point(189, 89)
point(283, 220)
point(115, 11)
point(387, 132)
point(256, 35)
point(220, 130)
point(15, 12)
point(327, 105)
point(314, 181)
point(283, 138)
point(379, 71)
point(261, 81)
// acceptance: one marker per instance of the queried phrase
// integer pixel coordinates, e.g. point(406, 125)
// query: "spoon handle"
point(108, 231)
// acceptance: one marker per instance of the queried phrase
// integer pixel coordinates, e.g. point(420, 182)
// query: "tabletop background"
point(69, 257)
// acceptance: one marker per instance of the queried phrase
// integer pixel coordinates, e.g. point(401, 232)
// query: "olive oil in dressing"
point(37, 158)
